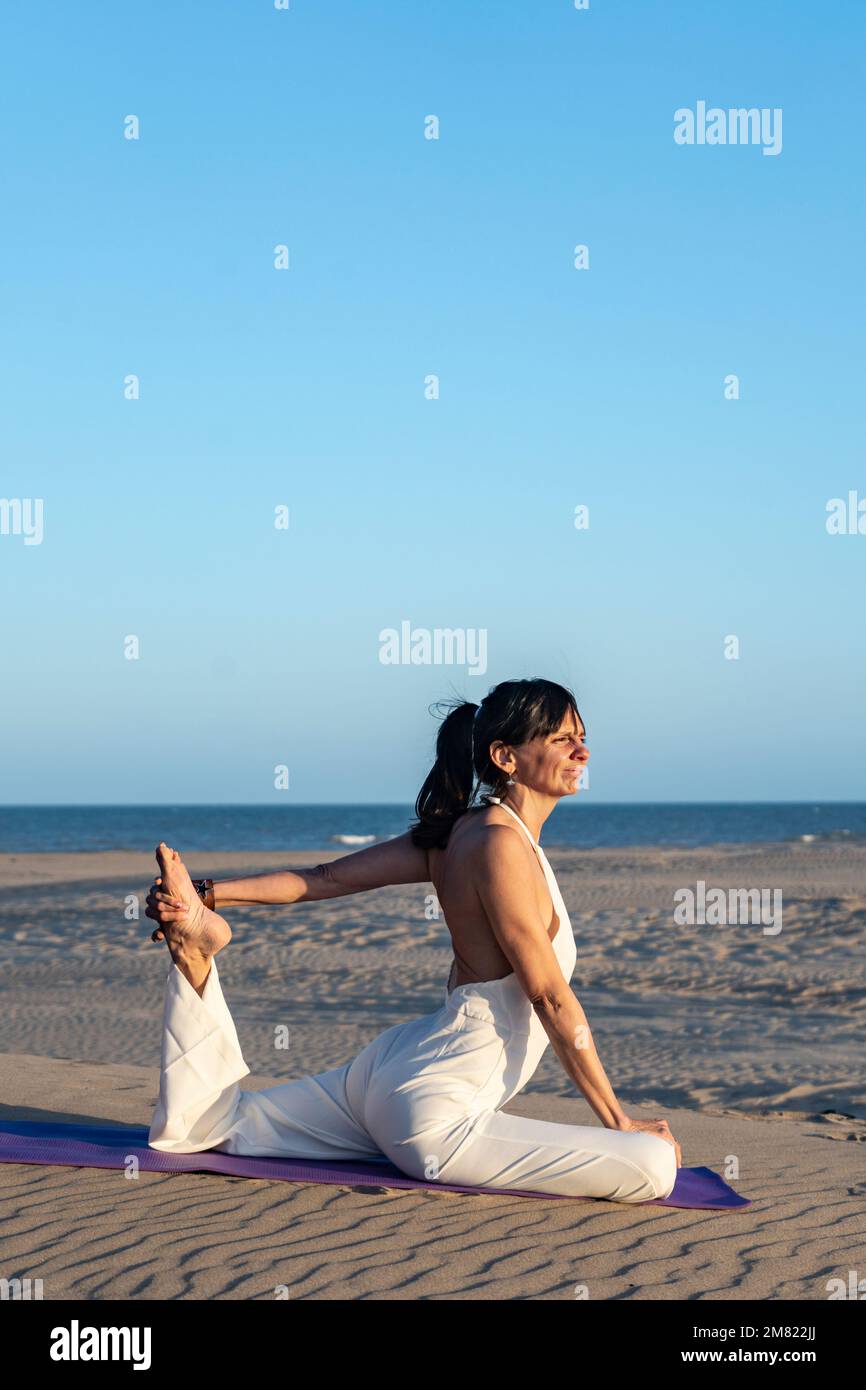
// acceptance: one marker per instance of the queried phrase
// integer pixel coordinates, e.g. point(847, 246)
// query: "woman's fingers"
point(166, 898)
point(156, 895)
point(159, 913)
point(664, 1131)
point(162, 907)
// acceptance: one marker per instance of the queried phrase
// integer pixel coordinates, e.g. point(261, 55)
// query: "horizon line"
point(301, 805)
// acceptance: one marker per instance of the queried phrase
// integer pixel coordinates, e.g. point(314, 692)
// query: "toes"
point(164, 856)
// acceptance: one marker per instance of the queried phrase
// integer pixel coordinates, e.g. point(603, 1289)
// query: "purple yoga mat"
point(105, 1146)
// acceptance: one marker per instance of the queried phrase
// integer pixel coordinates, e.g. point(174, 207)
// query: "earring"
point(512, 782)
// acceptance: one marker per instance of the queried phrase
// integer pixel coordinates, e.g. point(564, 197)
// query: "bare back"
point(454, 874)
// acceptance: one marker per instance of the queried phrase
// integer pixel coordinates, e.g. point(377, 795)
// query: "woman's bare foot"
point(194, 939)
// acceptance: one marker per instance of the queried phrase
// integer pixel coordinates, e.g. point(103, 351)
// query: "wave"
point(834, 837)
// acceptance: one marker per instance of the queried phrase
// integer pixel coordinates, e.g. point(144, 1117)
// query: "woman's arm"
point(378, 866)
point(506, 891)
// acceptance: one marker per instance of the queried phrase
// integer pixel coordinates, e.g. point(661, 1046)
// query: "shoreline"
point(817, 841)
point(230, 857)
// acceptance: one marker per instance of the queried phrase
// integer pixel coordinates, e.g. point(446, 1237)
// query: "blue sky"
point(305, 387)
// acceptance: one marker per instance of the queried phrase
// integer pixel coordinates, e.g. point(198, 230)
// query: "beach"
point(748, 1041)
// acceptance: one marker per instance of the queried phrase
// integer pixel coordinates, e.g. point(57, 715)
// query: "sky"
point(163, 640)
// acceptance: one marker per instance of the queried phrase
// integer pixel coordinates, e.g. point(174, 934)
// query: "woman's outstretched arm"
point(377, 866)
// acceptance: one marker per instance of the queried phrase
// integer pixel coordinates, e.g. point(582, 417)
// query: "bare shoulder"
point(481, 847)
point(488, 845)
point(501, 848)
point(461, 848)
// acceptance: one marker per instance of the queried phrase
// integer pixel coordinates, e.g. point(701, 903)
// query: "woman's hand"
point(164, 908)
point(658, 1127)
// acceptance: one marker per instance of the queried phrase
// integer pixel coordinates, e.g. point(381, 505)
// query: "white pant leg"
point(201, 1106)
point(511, 1151)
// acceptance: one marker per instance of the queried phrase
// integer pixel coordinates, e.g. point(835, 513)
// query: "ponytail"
point(447, 791)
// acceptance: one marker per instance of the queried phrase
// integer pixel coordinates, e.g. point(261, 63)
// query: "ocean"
point(26, 829)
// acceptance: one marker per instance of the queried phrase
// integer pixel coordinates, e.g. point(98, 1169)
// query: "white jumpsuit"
point(424, 1095)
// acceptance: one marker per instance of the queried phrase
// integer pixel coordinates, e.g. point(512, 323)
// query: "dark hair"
point(513, 711)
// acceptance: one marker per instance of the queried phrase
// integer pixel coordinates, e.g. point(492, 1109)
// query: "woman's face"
point(552, 763)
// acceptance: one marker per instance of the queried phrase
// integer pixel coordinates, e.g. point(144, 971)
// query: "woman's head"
point(528, 730)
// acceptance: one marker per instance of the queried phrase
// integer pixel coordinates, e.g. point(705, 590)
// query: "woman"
point(428, 1094)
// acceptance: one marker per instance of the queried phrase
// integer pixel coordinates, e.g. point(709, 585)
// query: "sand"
point(750, 1045)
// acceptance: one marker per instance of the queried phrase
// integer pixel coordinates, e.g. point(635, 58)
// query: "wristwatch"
point(204, 888)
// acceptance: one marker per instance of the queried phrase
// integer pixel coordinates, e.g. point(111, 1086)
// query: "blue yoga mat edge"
point(109, 1146)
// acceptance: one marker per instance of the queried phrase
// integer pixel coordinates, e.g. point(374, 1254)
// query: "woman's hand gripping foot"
point(192, 932)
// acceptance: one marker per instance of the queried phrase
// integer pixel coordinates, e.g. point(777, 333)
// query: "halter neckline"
point(499, 802)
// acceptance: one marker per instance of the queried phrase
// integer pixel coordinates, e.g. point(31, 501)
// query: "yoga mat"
point(106, 1146)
